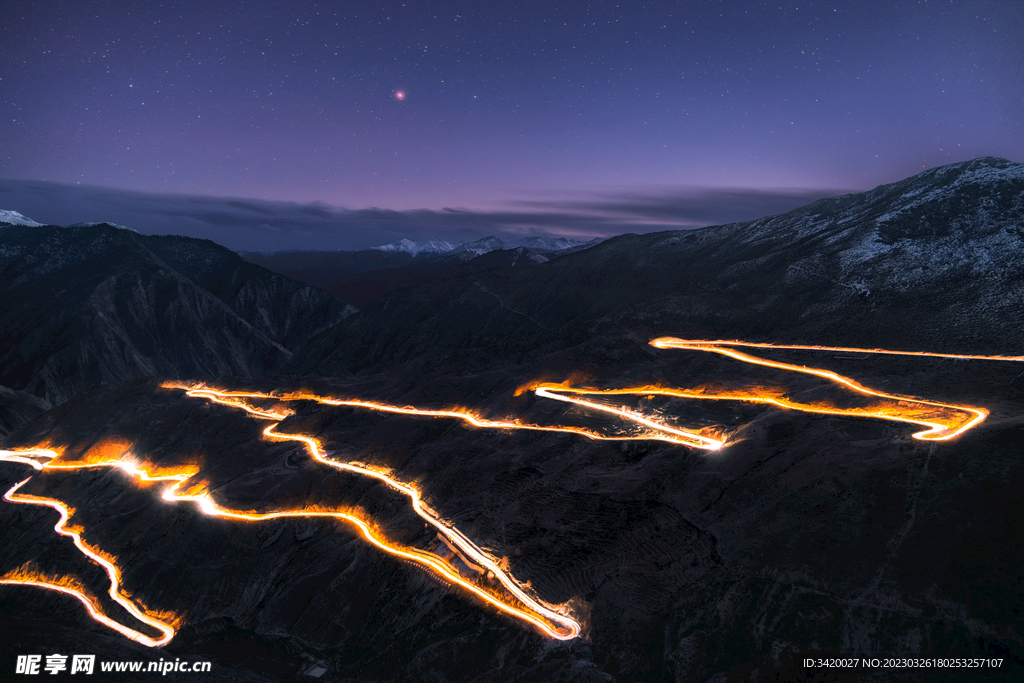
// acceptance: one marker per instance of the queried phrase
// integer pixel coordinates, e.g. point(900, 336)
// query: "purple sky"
point(525, 116)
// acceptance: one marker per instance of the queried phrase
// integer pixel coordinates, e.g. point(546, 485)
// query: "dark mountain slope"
point(807, 534)
point(96, 304)
point(280, 307)
point(320, 264)
point(365, 287)
point(936, 260)
point(361, 277)
point(18, 407)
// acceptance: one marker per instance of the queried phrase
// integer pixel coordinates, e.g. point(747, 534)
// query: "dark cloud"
point(259, 225)
point(696, 207)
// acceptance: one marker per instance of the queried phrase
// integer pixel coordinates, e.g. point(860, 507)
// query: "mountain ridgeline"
point(808, 532)
point(934, 261)
point(97, 304)
point(361, 277)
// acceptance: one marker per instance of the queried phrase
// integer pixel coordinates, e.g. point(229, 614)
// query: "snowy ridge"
point(417, 248)
point(480, 246)
point(15, 218)
point(543, 244)
point(958, 223)
point(484, 245)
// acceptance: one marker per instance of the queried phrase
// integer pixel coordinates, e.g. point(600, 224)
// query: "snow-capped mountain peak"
point(547, 243)
point(15, 218)
point(482, 246)
point(416, 248)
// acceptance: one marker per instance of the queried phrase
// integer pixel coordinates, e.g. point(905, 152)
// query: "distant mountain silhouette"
point(934, 260)
point(360, 277)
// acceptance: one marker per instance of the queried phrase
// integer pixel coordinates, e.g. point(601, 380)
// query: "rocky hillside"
point(936, 261)
point(807, 534)
point(95, 304)
point(18, 407)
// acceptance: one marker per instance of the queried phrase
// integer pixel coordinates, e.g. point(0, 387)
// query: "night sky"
point(349, 124)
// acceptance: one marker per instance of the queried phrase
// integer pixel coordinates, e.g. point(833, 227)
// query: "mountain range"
point(360, 277)
point(96, 303)
point(809, 534)
point(932, 261)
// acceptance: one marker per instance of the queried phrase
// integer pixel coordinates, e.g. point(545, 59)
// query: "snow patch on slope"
point(484, 245)
point(15, 218)
point(416, 248)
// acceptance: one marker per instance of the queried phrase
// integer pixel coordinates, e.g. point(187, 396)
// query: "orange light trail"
point(531, 611)
point(547, 620)
point(25, 456)
point(674, 342)
point(942, 421)
point(569, 628)
point(25, 576)
point(97, 556)
point(661, 431)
